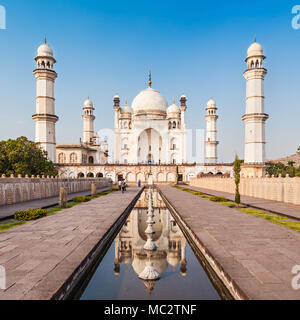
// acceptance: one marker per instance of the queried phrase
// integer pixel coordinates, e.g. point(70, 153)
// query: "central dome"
point(149, 101)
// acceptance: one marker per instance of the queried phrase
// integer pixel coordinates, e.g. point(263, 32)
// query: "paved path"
point(8, 211)
point(285, 209)
point(256, 254)
point(41, 255)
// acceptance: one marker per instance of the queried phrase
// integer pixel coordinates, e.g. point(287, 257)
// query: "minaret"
point(255, 116)
point(88, 122)
point(211, 143)
point(183, 108)
point(45, 118)
point(117, 129)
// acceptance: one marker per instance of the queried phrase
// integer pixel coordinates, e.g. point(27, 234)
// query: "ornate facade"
point(150, 131)
point(150, 135)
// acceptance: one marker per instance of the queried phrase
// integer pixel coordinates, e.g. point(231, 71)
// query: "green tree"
point(237, 178)
point(24, 157)
point(298, 149)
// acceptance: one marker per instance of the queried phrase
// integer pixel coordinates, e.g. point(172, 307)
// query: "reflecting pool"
point(170, 270)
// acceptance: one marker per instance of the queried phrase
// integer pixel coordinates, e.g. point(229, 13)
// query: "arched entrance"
point(149, 147)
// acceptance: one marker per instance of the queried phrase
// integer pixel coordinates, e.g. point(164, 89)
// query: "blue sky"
point(195, 47)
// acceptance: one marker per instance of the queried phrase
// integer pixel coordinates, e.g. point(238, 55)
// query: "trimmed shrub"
point(30, 214)
point(82, 199)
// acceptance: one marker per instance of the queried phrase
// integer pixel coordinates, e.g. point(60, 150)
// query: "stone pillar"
point(93, 189)
point(63, 197)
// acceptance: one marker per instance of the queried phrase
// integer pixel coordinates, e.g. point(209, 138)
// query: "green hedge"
point(217, 199)
point(30, 214)
point(82, 199)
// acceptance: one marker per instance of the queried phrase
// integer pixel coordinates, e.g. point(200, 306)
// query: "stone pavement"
point(282, 208)
point(40, 256)
point(7, 212)
point(256, 255)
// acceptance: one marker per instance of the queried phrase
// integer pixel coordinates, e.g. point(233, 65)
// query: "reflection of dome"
point(139, 264)
point(173, 259)
point(255, 49)
point(127, 260)
point(44, 50)
point(149, 101)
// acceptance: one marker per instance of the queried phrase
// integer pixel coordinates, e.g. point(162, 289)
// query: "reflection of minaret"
point(117, 267)
point(183, 261)
point(150, 273)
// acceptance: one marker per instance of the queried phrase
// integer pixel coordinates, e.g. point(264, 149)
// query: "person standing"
point(123, 186)
point(119, 182)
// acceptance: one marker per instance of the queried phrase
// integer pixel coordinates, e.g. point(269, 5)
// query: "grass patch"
point(282, 221)
point(269, 216)
point(217, 199)
point(9, 225)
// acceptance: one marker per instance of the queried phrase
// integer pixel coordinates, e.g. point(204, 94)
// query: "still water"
point(181, 276)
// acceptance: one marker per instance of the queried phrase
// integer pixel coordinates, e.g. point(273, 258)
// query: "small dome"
point(183, 96)
point(173, 109)
point(211, 103)
point(255, 50)
point(126, 109)
point(149, 100)
point(45, 50)
point(88, 103)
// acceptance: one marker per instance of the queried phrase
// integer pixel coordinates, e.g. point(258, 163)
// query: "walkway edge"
point(236, 292)
point(74, 284)
point(247, 204)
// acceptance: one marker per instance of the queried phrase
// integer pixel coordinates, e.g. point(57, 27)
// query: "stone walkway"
point(7, 212)
point(285, 209)
point(40, 256)
point(257, 255)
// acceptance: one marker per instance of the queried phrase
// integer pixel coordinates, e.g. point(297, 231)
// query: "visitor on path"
point(119, 182)
point(123, 186)
point(139, 183)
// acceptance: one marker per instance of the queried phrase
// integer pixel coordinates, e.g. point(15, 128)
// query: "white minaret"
point(88, 122)
point(117, 128)
point(45, 118)
point(211, 143)
point(255, 116)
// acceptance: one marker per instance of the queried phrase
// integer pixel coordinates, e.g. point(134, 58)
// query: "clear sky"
point(195, 47)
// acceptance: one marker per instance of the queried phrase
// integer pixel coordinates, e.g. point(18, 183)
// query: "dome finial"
point(255, 38)
point(45, 39)
point(126, 101)
point(173, 100)
point(150, 79)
